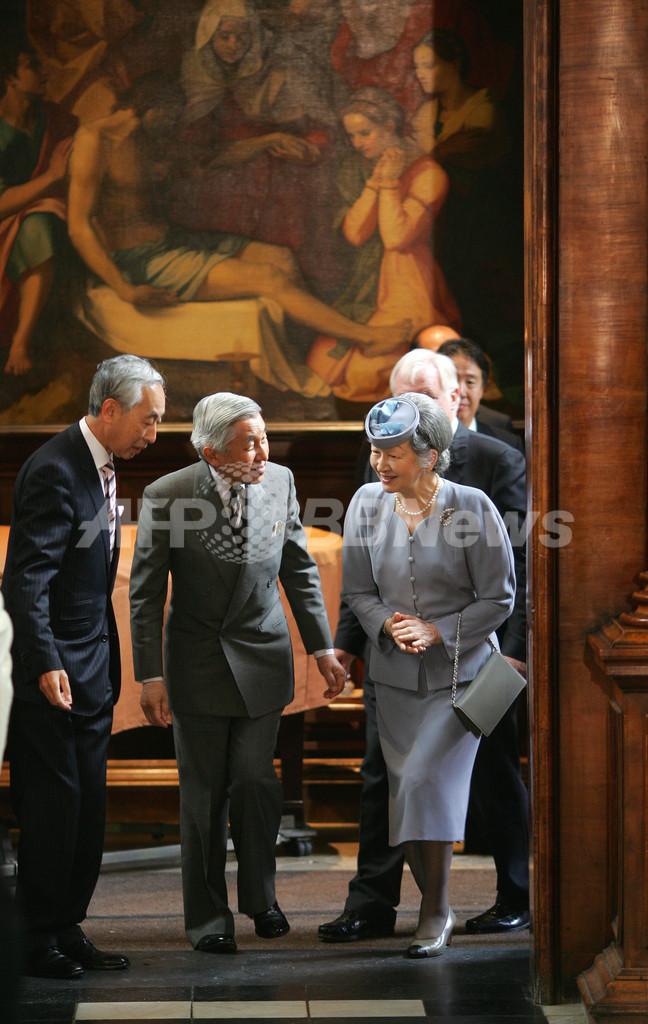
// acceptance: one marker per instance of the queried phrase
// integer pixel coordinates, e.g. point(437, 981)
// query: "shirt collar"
point(473, 425)
point(99, 454)
point(223, 486)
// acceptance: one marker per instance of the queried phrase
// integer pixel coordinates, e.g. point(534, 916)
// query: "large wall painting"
point(267, 196)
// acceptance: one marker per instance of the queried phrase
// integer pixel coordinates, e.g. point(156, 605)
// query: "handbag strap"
point(455, 666)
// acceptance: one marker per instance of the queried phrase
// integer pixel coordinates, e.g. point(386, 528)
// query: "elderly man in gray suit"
point(227, 530)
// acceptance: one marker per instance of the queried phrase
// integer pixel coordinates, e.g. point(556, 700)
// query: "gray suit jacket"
point(459, 559)
point(227, 644)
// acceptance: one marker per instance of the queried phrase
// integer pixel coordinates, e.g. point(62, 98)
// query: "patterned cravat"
point(110, 490)
point(236, 506)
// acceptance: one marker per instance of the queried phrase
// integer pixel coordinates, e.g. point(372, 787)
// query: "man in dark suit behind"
point(473, 373)
point(59, 575)
point(497, 786)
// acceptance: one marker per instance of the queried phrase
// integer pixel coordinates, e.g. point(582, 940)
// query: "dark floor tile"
point(61, 1013)
point(534, 1016)
point(228, 992)
point(100, 993)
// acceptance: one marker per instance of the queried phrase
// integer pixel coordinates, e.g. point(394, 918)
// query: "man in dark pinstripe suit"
point(59, 574)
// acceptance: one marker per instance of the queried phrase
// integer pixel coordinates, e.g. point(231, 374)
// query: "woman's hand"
point(390, 166)
point(292, 148)
point(412, 635)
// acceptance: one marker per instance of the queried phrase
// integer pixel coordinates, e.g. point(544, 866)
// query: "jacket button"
point(269, 583)
point(104, 638)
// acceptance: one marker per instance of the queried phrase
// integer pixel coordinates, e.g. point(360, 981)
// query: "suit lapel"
point(90, 479)
point(459, 455)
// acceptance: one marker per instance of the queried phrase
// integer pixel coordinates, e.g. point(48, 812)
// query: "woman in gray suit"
point(419, 550)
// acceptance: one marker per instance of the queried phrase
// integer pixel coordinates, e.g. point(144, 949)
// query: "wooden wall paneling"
point(539, 120)
point(323, 462)
point(600, 423)
point(615, 987)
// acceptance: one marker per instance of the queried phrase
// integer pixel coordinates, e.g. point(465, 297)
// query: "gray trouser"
point(226, 770)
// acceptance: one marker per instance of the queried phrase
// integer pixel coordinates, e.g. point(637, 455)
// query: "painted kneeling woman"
point(391, 194)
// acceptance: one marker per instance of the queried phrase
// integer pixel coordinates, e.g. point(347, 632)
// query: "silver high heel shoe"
point(420, 948)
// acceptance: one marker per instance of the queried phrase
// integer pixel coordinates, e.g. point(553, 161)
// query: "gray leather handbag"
point(489, 696)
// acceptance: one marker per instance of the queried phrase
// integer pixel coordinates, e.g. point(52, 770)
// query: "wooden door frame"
point(539, 210)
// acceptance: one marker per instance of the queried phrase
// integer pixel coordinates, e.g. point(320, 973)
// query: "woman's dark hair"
point(11, 48)
point(448, 46)
point(377, 105)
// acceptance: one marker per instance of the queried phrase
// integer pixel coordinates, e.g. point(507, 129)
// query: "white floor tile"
point(268, 1009)
point(571, 1014)
point(353, 1008)
point(176, 1010)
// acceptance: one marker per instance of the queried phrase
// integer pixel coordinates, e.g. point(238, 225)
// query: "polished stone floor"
point(138, 910)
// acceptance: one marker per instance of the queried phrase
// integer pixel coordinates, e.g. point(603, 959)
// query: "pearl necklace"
point(425, 507)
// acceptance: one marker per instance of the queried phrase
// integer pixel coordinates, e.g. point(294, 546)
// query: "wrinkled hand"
point(155, 703)
point(412, 635)
point(334, 675)
point(146, 295)
point(519, 666)
point(346, 660)
point(56, 687)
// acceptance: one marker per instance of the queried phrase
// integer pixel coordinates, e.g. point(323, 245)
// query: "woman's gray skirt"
point(430, 758)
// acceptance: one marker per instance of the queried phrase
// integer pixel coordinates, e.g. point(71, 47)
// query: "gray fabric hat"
point(391, 422)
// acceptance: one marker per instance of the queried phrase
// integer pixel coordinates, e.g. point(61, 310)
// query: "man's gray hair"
point(214, 418)
point(410, 365)
point(433, 432)
point(122, 378)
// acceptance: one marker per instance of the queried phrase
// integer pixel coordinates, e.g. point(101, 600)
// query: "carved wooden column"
point(615, 988)
point(586, 205)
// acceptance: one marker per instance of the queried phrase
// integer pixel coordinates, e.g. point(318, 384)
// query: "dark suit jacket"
point(226, 635)
point(59, 576)
point(498, 470)
point(497, 424)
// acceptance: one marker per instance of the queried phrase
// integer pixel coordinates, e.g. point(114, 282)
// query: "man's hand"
point(56, 687)
point(155, 703)
point(147, 295)
point(333, 673)
point(519, 666)
point(58, 164)
point(346, 660)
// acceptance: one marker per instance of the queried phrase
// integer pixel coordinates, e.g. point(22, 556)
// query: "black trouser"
point(499, 801)
point(10, 956)
point(502, 797)
point(58, 792)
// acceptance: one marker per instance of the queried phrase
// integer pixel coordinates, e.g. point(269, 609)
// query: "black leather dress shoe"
point(272, 923)
point(351, 925)
point(92, 959)
point(217, 943)
point(501, 917)
point(51, 963)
